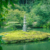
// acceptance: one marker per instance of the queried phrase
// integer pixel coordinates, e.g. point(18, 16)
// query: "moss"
point(21, 36)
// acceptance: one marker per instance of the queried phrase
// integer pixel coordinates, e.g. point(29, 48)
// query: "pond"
point(42, 45)
point(28, 46)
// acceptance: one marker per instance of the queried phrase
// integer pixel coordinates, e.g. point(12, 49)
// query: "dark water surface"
point(43, 45)
point(29, 46)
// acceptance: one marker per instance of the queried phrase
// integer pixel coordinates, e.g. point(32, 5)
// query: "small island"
point(20, 36)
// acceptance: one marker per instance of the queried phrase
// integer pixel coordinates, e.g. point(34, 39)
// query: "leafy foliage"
point(15, 17)
point(21, 36)
point(36, 11)
point(5, 4)
point(41, 14)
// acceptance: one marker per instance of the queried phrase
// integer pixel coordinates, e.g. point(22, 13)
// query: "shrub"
point(21, 36)
point(3, 17)
point(40, 14)
point(15, 17)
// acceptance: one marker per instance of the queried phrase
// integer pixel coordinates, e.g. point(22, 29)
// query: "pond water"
point(43, 45)
point(28, 46)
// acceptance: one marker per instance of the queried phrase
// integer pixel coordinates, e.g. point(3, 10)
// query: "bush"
point(21, 36)
point(40, 14)
point(17, 7)
point(15, 16)
point(3, 17)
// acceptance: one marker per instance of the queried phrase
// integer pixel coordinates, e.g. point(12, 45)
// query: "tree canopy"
point(37, 11)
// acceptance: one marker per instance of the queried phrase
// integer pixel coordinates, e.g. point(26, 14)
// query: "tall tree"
point(5, 4)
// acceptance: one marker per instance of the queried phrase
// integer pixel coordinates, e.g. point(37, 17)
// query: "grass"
point(21, 36)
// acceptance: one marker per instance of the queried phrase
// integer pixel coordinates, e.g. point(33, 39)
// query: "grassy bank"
point(20, 36)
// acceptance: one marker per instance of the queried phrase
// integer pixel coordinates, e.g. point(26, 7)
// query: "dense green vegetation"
point(37, 13)
point(21, 36)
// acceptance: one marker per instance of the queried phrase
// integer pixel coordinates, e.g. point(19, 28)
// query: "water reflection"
point(24, 47)
point(28, 46)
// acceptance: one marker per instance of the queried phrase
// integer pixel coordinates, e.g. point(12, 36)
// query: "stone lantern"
point(24, 24)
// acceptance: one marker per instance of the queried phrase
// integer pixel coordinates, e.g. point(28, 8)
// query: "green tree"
point(5, 4)
point(41, 14)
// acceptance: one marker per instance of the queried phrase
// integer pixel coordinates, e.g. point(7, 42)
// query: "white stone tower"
point(24, 24)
